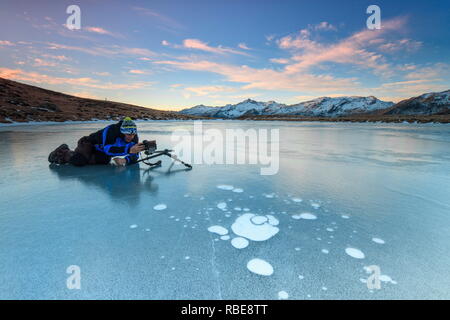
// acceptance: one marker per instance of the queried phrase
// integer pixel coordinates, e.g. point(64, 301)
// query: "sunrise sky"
point(177, 54)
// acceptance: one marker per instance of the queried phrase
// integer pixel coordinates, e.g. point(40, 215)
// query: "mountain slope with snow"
point(425, 104)
point(323, 106)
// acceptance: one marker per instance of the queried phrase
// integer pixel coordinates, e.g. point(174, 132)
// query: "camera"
point(149, 146)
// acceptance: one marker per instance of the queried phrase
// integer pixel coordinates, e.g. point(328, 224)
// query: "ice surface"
point(371, 181)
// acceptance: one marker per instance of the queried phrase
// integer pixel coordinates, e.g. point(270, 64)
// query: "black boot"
point(60, 155)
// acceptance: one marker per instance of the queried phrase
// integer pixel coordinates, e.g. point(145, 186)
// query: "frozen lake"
point(347, 196)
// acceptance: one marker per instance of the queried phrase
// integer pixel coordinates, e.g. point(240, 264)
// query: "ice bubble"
point(324, 288)
point(272, 220)
point(283, 295)
point(315, 205)
point(238, 190)
point(297, 249)
point(225, 187)
point(260, 266)
point(225, 237)
point(160, 206)
point(246, 209)
point(345, 217)
point(218, 229)
point(301, 277)
point(147, 230)
point(244, 227)
point(259, 219)
point(238, 209)
point(305, 215)
point(133, 226)
point(239, 243)
point(378, 240)
point(222, 205)
point(386, 278)
point(355, 253)
point(325, 251)
point(270, 195)
point(330, 229)
point(187, 257)
point(297, 200)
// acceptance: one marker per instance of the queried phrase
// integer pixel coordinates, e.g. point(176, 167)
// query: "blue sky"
point(177, 54)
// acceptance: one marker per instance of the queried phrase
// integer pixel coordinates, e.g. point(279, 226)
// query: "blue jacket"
point(112, 142)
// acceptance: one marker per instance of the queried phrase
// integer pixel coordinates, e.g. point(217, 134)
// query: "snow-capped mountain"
point(426, 104)
point(339, 106)
point(325, 106)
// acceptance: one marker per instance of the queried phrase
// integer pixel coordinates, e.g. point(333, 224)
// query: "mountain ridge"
point(427, 104)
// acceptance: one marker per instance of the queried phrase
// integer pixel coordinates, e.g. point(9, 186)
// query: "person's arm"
point(118, 149)
point(132, 158)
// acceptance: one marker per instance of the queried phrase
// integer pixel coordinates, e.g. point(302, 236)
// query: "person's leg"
point(78, 160)
point(60, 155)
point(100, 158)
point(83, 153)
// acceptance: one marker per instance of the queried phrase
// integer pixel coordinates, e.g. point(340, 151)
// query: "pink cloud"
point(6, 43)
point(266, 79)
point(280, 60)
point(42, 63)
point(199, 45)
point(137, 71)
point(161, 18)
point(403, 44)
point(352, 50)
point(18, 74)
point(104, 51)
point(243, 46)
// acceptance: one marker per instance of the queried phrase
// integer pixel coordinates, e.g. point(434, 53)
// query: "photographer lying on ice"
point(116, 140)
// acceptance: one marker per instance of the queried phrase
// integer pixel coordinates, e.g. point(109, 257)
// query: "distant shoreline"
point(340, 120)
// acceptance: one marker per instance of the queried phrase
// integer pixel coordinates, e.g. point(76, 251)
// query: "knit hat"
point(128, 126)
